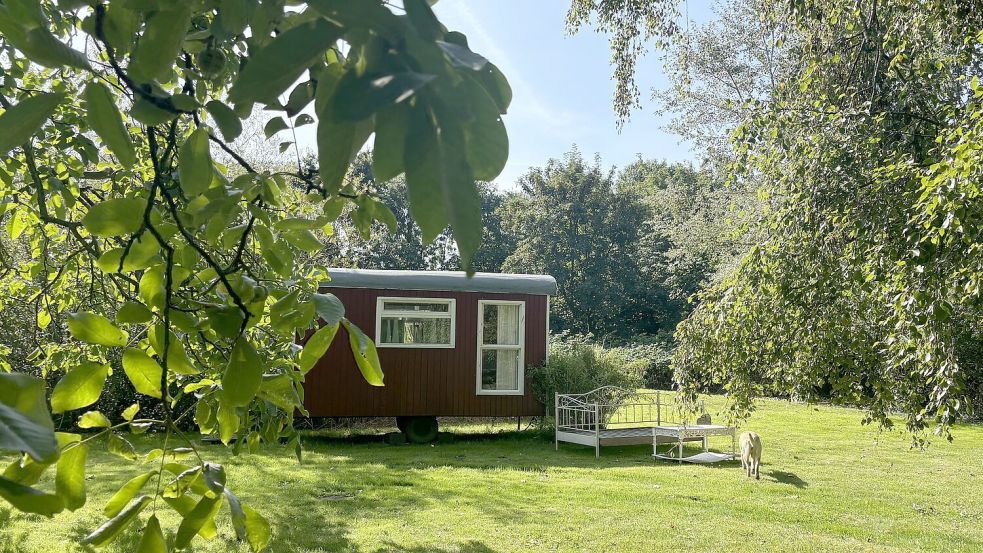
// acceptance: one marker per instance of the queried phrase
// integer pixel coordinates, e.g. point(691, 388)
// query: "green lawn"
point(828, 484)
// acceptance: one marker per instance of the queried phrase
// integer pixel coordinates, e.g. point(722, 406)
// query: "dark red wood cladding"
point(421, 381)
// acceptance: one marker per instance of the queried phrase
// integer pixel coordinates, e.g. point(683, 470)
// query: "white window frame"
point(380, 312)
point(521, 376)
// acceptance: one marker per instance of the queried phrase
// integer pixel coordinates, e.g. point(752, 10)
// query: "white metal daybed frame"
point(612, 416)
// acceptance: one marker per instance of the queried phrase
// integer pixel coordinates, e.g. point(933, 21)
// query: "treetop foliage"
point(139, 252)
point(863, 282)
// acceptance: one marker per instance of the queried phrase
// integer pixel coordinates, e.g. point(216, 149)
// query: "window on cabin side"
point(415, 322)
point(501, 344)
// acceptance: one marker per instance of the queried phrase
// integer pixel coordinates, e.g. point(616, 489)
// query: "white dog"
point(751, 453)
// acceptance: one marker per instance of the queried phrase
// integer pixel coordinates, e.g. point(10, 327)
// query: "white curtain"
point(507, 367)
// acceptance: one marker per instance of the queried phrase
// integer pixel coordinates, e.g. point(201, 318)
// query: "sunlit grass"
point(828, 484)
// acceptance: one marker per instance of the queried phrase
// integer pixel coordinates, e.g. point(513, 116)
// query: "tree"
point(718, 71)
point(574, 225)
point(864, 279)
point(867, 244)
point(177, 270)
point(685, 243)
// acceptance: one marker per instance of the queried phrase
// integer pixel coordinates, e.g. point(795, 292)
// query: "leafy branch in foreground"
point(192, 276)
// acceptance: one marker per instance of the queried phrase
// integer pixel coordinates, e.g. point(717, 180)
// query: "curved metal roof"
point(444, 281)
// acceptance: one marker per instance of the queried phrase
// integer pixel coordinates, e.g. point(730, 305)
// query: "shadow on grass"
point(784, 477)
point(470, 546)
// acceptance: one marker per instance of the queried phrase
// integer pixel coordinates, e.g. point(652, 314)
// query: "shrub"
point(576, 366)
point(655, 352)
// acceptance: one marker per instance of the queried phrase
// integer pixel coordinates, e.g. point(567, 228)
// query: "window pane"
point(500, 325)
point(500, 369)
point(435, 307)
point(416, 330)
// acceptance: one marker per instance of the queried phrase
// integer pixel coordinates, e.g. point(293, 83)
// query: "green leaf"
point(300, 96)
point(366, 356)
point(30, 500)
point(161, 42)
point(422, 18)
point(184, 505)
point(461, 56)
point(204, 512)
point(391, 128)
point(497, 86)
point(142, 371)
point(234, 15)
point(148, 113)
point(282, 61)
point(359, 96)
point(104, 118)
point(237, 514)
point(115, 217)
point(93, 419)
point(152, 540)
point(296, 223)
point(214, 476)
point(486, 139)
point(112, 527)
point(303, 239)
point(95, 329)
point(279, 390)
point(281, 313)
point(31, 36)
point(43, 47)
point(226, 321)
point(243, 374)
point(121, 447)
point(142, 254)
point(369, 15)
point(126, 493)
point(178, 360)
point(80, 387)
point(120, 27)
point(258, 531)
point(131, 412)
point(274, 126)
point(316, 346)
point(228, 421)
point(337, 144)
point(441, 185)
point(25, 423)
point(25, 470)
point(133, 312)
point(70, 476)
point(329, 308)
point(228, 122)
point(153, 287)
point(22, 120)
point(195, 166)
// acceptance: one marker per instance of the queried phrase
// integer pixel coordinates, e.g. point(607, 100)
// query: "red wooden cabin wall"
point(421, 381)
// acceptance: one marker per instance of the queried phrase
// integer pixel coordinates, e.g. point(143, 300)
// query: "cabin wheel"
point(418, 430)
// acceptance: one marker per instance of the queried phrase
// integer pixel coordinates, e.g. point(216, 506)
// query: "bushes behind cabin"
point(576, 366)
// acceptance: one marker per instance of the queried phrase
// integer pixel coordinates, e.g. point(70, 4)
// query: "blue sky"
point(562, 85)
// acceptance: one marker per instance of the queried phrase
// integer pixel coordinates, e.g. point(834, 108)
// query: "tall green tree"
point(190, 276)
point(718, 70)
point(864, 279)
point(685, 243)
point(574, 225)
